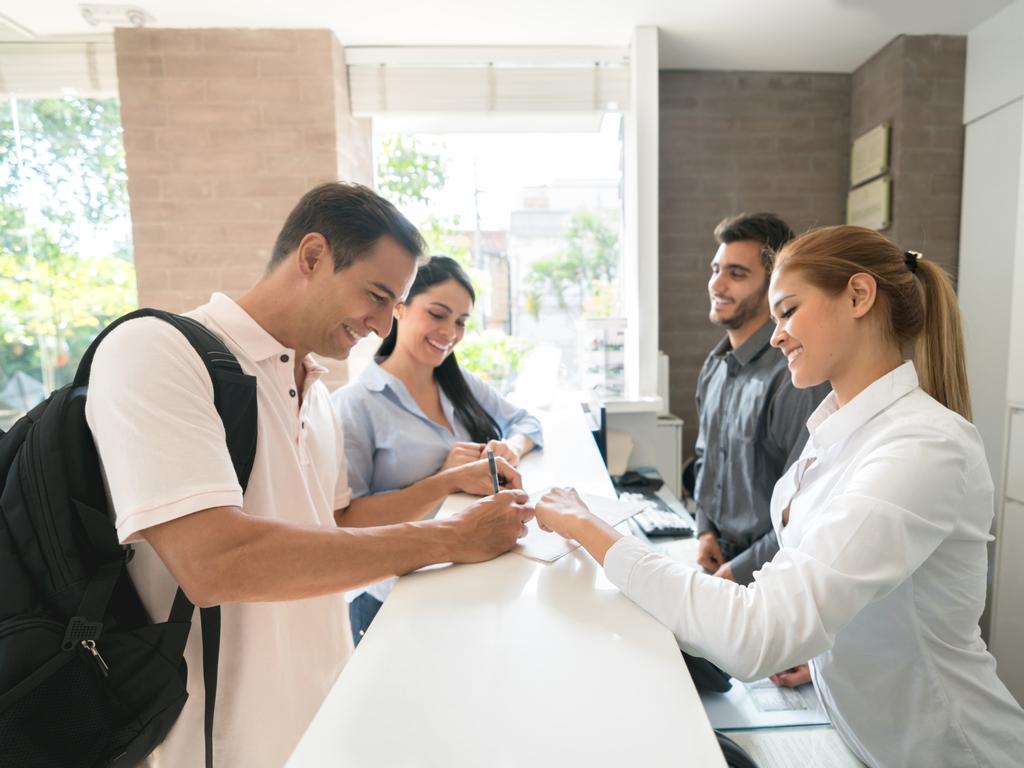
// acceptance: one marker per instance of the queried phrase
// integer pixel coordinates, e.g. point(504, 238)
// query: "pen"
point(494, 469)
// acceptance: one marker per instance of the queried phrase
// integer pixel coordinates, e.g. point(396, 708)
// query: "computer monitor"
point(594, 411)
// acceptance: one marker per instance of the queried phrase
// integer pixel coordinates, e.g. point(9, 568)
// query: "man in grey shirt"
point(752, 420)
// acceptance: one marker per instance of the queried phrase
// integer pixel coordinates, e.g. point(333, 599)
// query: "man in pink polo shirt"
point(274, 560)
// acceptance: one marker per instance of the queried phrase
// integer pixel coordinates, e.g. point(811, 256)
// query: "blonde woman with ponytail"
point(883, 521)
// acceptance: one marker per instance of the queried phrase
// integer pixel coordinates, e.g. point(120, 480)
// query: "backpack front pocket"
point(57, 714)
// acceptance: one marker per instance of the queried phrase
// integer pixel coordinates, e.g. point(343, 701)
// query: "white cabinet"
point(1007, 632)
point(1015, 456)
point(992, 243)
point(657, 442)
point(991, 291)
point(670, 452)
point(1007, 625)
point(988, 246)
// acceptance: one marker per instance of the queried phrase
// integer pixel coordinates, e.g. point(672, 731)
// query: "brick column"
point(224, 129)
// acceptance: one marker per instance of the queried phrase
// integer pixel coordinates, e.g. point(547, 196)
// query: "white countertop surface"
point(513, 662)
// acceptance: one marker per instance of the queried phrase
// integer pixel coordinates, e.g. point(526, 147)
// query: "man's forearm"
point(411, 503)
point(232, 557)
point(704, 523)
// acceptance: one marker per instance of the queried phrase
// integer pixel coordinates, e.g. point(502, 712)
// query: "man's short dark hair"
point(351, 217)
point(765, 228)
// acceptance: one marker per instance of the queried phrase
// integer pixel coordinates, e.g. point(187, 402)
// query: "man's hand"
point(793, 676)
point(475, 477)
point(725, 572)
point(709, 553)
point(559, 509)
point(502, 450)
point(491, 526)
point(462, 453)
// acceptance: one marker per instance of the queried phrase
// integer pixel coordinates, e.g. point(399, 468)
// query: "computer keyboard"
point(658, 519)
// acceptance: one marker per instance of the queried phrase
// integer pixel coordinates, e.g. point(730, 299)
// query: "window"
point(488, 103)
point(65, 240)
point(536, 220)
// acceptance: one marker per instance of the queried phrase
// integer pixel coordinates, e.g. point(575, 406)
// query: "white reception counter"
point(514, 662)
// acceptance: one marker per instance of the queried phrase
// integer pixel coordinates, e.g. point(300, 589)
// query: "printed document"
point(762, 704)
point(819, 746)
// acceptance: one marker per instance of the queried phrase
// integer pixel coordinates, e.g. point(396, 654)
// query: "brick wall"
point(742, 141)
point(224, 130)
point(732, 142)
point(876, 93)
point(916, 83)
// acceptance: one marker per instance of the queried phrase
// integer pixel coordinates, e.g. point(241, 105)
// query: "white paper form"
point(819, 746)
point(762, 704)
point(548, 547)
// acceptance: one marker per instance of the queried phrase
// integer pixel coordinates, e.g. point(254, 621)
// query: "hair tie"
point(911, 258)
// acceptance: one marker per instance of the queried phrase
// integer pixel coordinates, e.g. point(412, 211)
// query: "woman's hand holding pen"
point(475, 477)
point(467, 452)
point(502, 450)
point(463, 453)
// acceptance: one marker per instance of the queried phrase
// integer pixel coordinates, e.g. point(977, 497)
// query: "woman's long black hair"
point(478, 422)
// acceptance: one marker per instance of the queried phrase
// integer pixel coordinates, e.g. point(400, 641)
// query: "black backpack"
point(86, 679)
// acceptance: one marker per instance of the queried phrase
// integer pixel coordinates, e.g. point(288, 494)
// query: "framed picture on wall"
point(869, 155)
point(870, 205)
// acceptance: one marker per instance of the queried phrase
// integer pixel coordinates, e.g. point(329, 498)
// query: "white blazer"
point(879, 582)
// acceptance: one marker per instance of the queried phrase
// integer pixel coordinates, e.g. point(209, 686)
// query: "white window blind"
point(519, 81)
point(47, 70)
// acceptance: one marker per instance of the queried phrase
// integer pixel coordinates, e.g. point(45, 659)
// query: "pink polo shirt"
point(162, 446)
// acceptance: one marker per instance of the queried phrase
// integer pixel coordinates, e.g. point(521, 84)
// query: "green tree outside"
point(62, 180)
point(583, 274)
point(410, 172)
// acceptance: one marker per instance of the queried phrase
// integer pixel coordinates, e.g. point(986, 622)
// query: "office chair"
point(690, 476)
point(705, 675)
point(735, 756)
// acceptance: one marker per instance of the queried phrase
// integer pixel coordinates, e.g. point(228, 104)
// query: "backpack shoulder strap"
point(234, 396)
point(234, 391)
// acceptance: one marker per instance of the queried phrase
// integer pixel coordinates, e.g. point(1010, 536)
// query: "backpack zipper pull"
point(90, 646)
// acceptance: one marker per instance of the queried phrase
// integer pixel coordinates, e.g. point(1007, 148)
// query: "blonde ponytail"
point(939, 348)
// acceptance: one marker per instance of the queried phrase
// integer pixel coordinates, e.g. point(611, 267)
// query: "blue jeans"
point(360, 614)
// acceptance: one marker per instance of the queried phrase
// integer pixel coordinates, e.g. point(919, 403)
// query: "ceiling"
point(778, 35)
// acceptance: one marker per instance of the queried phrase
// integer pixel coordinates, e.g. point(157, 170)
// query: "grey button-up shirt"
point(752, 426)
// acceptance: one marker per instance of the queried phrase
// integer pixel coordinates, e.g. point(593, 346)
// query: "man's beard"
point(745, 311)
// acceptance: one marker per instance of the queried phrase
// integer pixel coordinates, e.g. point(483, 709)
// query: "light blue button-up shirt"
point(391, 443)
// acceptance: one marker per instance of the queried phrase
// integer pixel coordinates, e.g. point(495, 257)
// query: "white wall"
point(995, 62)
point(992, 295)
point(988, 238)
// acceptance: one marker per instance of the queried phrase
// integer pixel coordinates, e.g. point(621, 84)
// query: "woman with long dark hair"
point(417, 427)
point(883, 522)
